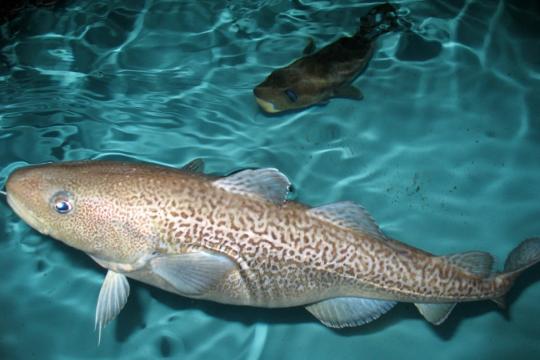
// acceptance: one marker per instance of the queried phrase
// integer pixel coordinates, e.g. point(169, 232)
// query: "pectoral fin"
point(349, 311)
point(111, 300)
point(194, 273)
point(349, 91)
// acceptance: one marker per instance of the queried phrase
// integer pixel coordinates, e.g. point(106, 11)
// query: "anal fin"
point(435, 313)
point(349, 311)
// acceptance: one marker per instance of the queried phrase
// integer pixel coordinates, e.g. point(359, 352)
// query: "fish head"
point(290, 88)
point(82, 205)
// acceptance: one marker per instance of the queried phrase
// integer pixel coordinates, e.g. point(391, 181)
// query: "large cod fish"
point(237, 240)
point(321, 75)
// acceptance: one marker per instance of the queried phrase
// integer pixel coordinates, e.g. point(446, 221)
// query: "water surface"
point(443, 151)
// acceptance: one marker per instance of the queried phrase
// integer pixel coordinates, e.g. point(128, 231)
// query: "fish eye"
point(62, 203)
point(291, 94)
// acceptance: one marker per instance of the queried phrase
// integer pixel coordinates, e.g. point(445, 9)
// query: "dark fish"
point(328, 72)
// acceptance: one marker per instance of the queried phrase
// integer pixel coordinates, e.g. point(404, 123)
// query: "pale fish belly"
point(290, 285)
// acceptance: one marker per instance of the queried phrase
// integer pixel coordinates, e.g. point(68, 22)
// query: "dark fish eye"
point(291, 94)
point(61, 202)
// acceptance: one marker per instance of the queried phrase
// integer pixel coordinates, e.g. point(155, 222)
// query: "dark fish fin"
point(268, 184)
point(500, 301)
point(475, 262)
point(380, 19)
point(435, 313)
point(310, 47)
point(194, 166)
point(349, 311)
point(349, 91)
point(350, 215)
point(194, 273)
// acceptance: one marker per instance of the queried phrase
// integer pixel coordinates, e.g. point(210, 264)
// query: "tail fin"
point(520, 259)
point(523, 256)
point(379, 20)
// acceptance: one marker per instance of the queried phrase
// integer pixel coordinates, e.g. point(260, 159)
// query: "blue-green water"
point(444, 151)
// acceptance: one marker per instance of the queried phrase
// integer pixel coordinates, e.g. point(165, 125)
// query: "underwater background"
point(444, 151)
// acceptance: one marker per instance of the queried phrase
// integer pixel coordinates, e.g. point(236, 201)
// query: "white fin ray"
point(349, 311)
point(349, 215)
point(268, 184)
point(192, 274)
point(112, 297)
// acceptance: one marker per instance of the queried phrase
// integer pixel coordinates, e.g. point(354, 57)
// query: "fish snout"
point(261, 95)
point(266, 105)
point(20, 182)
point(257, 92)
point(23, 190)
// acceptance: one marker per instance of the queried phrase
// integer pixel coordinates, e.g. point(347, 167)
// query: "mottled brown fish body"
point(285, 255)
point(288, 257)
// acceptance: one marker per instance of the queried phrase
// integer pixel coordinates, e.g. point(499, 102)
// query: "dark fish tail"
point(379, 20)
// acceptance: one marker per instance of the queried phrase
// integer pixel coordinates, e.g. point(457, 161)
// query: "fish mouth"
point(266, 105)
point(27, 215)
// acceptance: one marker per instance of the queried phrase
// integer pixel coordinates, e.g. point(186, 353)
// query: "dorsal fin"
point(475, 262)
point(350, 215)
point(194, 166)
point(268, 184)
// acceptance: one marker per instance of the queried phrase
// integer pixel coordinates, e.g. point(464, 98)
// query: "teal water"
point(444, 151)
